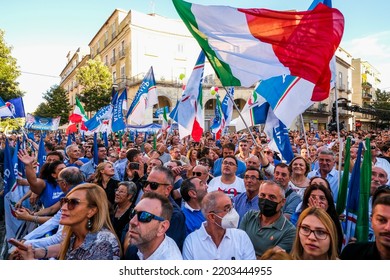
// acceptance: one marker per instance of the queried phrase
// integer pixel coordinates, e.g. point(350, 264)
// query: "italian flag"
point(248, 45)
point(78, 117)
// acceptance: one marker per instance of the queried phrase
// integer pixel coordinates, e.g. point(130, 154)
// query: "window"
point(123, 73)
point(340, 81)
point(114, 76)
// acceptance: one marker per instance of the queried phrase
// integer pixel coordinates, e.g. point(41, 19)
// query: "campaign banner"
point(41, 123)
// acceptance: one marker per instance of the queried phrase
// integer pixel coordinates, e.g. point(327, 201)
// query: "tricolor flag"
point(145, 97)
point(79, 114)
point(248, 45)
point(190, 108)
point(165, 124)
point(219, 120)
point(254, 112)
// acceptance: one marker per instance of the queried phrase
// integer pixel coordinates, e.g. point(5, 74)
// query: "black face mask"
point(267, 207)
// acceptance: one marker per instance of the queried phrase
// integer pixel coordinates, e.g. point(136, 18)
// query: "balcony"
point(113, 60)
point(366, 85)
point(366, 95)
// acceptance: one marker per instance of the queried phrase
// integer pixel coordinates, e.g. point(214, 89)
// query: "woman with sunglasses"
point(88, 232)
point(104, 173)
point(316, 237)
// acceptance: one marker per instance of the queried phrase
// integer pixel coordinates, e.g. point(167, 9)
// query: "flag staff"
point(304, 135)
point(336, 104)
point(238, 110)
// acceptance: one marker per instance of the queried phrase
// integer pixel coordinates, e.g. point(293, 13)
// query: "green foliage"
point(56, 104)
point(9, 72)
point(10, 124)
point(96, 80)
point(382, 105)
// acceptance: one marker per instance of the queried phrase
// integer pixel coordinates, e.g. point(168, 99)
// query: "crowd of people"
point(150, 198)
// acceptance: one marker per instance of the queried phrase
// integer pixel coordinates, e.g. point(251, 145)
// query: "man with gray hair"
point(218, 238)
point(327, 170)
point(268, 227)
point(73, 154)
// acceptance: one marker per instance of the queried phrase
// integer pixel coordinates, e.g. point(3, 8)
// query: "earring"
point(89, 224)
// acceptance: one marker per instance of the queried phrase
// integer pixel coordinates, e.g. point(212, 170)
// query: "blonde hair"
point(326, 220)
point(96, 197)
point(98, 171)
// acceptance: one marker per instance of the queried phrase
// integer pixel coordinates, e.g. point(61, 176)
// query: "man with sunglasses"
point(218, 238)
point(160, 180)
point(149, 223)
point(202, 172)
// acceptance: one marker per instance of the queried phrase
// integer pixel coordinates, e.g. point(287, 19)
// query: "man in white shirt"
point(218, 238)
point(148, 225)
point(228, 182)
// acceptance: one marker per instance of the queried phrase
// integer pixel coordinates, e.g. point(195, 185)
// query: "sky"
point(42, 32)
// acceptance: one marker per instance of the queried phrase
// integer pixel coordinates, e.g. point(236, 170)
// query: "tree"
point(9, 72)
point(382, 106)
point(96, 80)
point(56, 104)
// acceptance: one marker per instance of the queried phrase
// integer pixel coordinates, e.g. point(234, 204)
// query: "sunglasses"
point(145, 217)
point(153, 185)
point(198, 174)
point(72, 202)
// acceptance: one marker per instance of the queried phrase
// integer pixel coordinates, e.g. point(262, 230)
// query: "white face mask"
point(230, 220)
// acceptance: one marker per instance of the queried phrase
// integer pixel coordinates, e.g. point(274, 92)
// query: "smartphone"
point(134, 165)
point(18, 244)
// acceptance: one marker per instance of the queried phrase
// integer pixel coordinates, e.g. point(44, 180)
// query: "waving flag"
point(248, 45)
point(98, 119)
point(227, 105)
point(278, 134)
point(165, 124)
point(79, 114)
point(16, 107)
point(145, 97)
point(4, 109)
point(219, 120)
point(117, 121)
point(41, 154)
point(364, 195)
point(9, 174)
point(254, 112)
point(349, 225)
point(190, 108)
point(173, 113)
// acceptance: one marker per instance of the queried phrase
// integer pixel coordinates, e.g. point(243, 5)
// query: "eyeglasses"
point(229, 163)
point(319, 234)
point(145, 217)
point(153, 185)
point(198, 174)
point(253, 178)
point(72, 202)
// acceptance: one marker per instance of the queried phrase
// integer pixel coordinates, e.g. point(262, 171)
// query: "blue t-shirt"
point(50, 194)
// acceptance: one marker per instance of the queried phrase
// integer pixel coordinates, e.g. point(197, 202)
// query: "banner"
point(41, 123)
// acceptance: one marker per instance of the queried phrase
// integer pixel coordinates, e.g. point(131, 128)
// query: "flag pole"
point(304, 135)
point(338, 129)
point(238, 110)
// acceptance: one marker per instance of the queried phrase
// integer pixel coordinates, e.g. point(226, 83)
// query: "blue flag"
point(95, 150)
point(117, 122)
point(352, 207)
point(173, 115)
point(16, 107)
point(227, 105)
point(145, 97)
point(21, 167)
point(104, 113)
point(41, 154)
point(9, 173)
point(105, 139)
point(69, 140)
